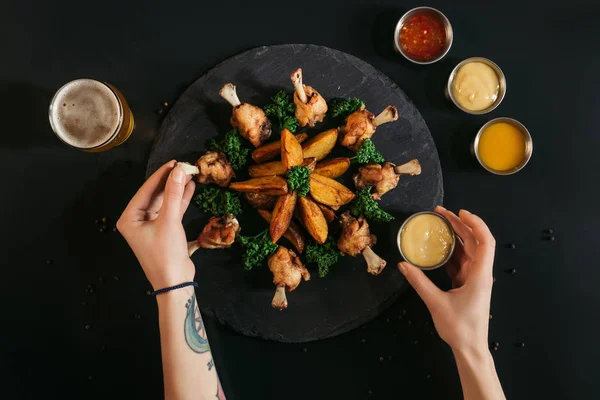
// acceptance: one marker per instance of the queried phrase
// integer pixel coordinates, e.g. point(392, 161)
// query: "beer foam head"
point(85, 113)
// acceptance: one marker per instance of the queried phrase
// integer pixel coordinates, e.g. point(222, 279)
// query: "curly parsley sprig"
point(232, 146)
point(367, 154)
point(284, 109)
point(344, 107)
point(256, 249)
point(363, 204)
point(297, 179)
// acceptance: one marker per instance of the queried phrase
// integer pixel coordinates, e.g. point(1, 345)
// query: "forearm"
point(188, 367)
point(478, 376)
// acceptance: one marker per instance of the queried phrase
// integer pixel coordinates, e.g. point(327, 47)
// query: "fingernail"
point(178, 175)
point(402, 268)
point(464, 211)
point(441, 208)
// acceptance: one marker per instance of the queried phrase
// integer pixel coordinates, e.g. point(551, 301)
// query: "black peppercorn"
point(148, 292)
point(416, 342)
point(102, 230)
point(380, 358)
point(389, 358)
point(304, 350)
point(48, 262)
point(137, 316)
point(363, 340)
point(370, 392)
point(104, 220)
point(428, 376)
point(511, 246)
point(549, 231)
point(166, 104)
point(512, 271)
point(87, 326)
point(116, 278)
point(552, 238)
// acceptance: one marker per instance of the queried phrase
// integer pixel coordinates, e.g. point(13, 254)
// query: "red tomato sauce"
point(423, 36)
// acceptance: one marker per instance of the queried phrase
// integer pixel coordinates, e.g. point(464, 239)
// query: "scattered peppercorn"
point(409, 322)
point(97, 221)
point(103, 347)
point(100, 279)
point(416, 342)
point(490, 316)
point(136, 316)
point(380, 358)
point(387, 320)
point(511, 246)
point(494, 279)
point(166, 104)
point(87, 326)
point(495, 348)
point(363, 340)
point(148, 292)
point(116, 278)
point(495, 344)
point(48, 262)
point(403, 312)
point(304, 350)
point(370, 392)
point(552, 238)
point(104, 220)
point(512, 271)
point(83, 304)
point(549, 231)
point(389, 358)
point(158, 111)
point(521, 344)
point(102, 230)
point(91, 291)
point(428, 376)
point(90, 378)
point(115, 229)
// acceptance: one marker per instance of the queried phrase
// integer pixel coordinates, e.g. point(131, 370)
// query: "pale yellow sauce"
point(426, 240)
point(475, 86)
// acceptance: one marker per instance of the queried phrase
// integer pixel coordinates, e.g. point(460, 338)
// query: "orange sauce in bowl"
point(502, 146)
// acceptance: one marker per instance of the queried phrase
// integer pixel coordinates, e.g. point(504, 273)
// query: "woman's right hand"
point(461, 315)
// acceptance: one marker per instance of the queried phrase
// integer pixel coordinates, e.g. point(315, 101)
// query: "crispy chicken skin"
point(288, 271)
point(219, 233)
point(355, 235)
point(251, 121)
point(384, 177)
point(355, 238)
point(311, 107)
point(361, 125)
point(260, 200)
point(214, 168)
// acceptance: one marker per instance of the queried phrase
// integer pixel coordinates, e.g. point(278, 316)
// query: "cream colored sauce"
point(426, 240)
point(475, 86)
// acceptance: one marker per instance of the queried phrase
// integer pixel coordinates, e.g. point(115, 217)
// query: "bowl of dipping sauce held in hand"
point(503, 146)
point(426, 240)
point(423, 35)
point(476, 85)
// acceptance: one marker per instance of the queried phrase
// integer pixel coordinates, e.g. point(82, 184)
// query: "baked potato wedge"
point(267, 169)
point(271, 150)
point(276, 168)
point(332, 168)
point(328, 213)
point(320, 145)
point(260, 200)
point(312, 219)
point(293, 233)
point(329, 192)
point(291, 150)
point(274, 185)
point(282, 215)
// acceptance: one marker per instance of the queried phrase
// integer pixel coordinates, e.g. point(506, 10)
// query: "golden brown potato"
point(291, 150)
point(328, 213)
point(313, 220)
point(260, 200)
point(273, 149)
point(267, 169)
point(274, 185)
point(282, 215)
point(293, 233)
point(333, 168)
point(320, 145)
point(329, 192)
point(310, 163)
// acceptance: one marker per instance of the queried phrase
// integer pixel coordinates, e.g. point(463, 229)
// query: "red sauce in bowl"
point(423, 36)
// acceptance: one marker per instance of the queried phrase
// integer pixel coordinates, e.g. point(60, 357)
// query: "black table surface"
point(76, 320)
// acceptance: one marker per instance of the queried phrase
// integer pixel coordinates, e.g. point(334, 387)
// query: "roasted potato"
point(332, 168)
point(291, 150)
point(274, 185)
point(282, 215)
point(328, 213)
point(267, 169)
point(273, 149)
point(320, 145)
point(313, 220)
point(260, 200)
point(293, 233)
point(329, 192)
point(310, 163)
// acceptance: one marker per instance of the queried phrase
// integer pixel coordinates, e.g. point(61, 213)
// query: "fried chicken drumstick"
point(214, 168)
point(311, 107)
point(355, 238)
point(361, 124)
point(219, 233)
point(251, 121)
point(384, 177)
point(288, 271)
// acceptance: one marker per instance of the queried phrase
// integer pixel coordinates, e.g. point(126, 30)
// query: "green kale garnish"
point(344, 107)
point(283, 108)
point(363, 204)
point(231, 145)
point(324, 255)
point(256, 249)
point(367, 154)
point(297, 179)
point(218, 202)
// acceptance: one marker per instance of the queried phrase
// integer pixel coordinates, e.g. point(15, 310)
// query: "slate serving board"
point(348, 296)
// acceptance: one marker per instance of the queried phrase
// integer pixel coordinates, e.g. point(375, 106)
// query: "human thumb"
point(171, 208)
point(426, 289)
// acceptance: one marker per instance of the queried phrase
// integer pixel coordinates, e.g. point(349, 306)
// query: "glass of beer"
point(90, 115)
